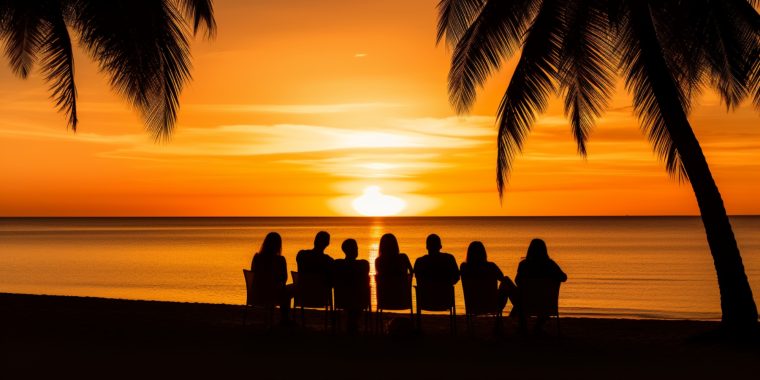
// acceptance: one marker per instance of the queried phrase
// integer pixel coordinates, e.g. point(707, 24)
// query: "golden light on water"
point(374, 203)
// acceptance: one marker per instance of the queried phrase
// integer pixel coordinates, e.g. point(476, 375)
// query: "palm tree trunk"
point(736, 300)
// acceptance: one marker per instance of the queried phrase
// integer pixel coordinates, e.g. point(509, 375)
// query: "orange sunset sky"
point(298, 106)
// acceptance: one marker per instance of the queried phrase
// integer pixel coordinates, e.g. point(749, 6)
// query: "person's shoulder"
point(449, 256)
point(421, 260)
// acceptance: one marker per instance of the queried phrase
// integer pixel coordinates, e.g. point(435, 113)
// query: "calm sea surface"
point(650, 267)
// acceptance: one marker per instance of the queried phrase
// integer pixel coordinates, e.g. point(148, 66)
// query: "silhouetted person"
point(476, 265)
point(390, 261)
point(268, 265)
point(537, 265)
point(351, 281)
point(436, 266)
point(315, 260)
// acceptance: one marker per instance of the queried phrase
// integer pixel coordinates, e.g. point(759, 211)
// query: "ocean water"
point(629, 267)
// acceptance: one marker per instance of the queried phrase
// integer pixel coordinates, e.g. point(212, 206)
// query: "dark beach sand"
point(73, 336)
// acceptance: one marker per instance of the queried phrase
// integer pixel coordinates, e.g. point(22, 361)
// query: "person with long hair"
point(390, 261)
point(476, 265)
point(537, 264)
point(269, 266)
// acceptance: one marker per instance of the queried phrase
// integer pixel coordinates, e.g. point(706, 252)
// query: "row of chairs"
point(539, 297)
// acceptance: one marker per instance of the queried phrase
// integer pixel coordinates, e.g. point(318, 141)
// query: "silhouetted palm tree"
point(141, 44)
point(667, 51)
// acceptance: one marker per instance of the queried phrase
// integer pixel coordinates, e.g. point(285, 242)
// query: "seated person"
point(436, 266)
point(390, 261)
point(315, 260)
point(270, 266)
point(537, 265)
point(351, 281)
point(476, 265)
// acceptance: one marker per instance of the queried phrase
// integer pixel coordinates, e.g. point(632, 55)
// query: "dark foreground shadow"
point(64, 336)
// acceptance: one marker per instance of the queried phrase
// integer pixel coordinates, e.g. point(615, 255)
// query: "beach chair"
point(259, 293)
point(354, 295)
point(539, 297)
point(313, 292)
point(481, 297)
point(393, 293)
point(436, 296)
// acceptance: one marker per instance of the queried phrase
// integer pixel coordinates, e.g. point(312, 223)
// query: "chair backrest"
point(434, 295)
point(352, 292)
point(394, 292)
point(481, 295)
point(259, 291)
point(312, 290)
point(539, 296)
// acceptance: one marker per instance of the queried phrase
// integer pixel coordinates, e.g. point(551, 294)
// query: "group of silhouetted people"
point(436, 266)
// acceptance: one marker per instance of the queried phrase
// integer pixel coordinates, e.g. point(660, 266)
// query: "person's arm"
point(453, 269)
point(499, 273)
point(561, 276)
point(407, 263)
point(520, 269)
point(365, 267)
point(282, 272)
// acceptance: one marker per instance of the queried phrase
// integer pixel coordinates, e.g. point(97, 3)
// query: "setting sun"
point(374, 203)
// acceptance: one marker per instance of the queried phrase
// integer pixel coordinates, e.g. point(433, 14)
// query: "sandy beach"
point(62, 336)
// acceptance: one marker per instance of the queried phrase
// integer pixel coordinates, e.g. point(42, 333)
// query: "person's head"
point(388, 246)
point(433, 243)
point(476, 253)
point(321, 241)
point(272, 245)
point(537, 251)
point(350, 248)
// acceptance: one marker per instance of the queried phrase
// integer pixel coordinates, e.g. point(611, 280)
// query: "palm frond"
point(492, 37)
point(148, 63)
point(730, 41)
point(586, 69)
point(530, 87)
point(22, 28)
point(454, 17)
point(658, 99)
point(58, 65)
point(201, 11)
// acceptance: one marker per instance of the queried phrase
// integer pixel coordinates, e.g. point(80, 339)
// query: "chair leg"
point(419, 319)
point(559, 331)
point(245, 315)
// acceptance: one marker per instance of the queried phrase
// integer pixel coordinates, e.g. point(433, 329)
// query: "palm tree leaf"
point(454, 17)
point(23, 30)
point(492, 37)
point(148, 62)
point(658, 98)
point(730, 41)
point(201, 11)
point(58, 65)
point(530, 87)
point(586, 70)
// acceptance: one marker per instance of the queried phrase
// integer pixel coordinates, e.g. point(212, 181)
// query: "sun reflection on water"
point(376, 230)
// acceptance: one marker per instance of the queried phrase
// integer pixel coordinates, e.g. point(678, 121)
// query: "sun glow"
point(374, 203)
